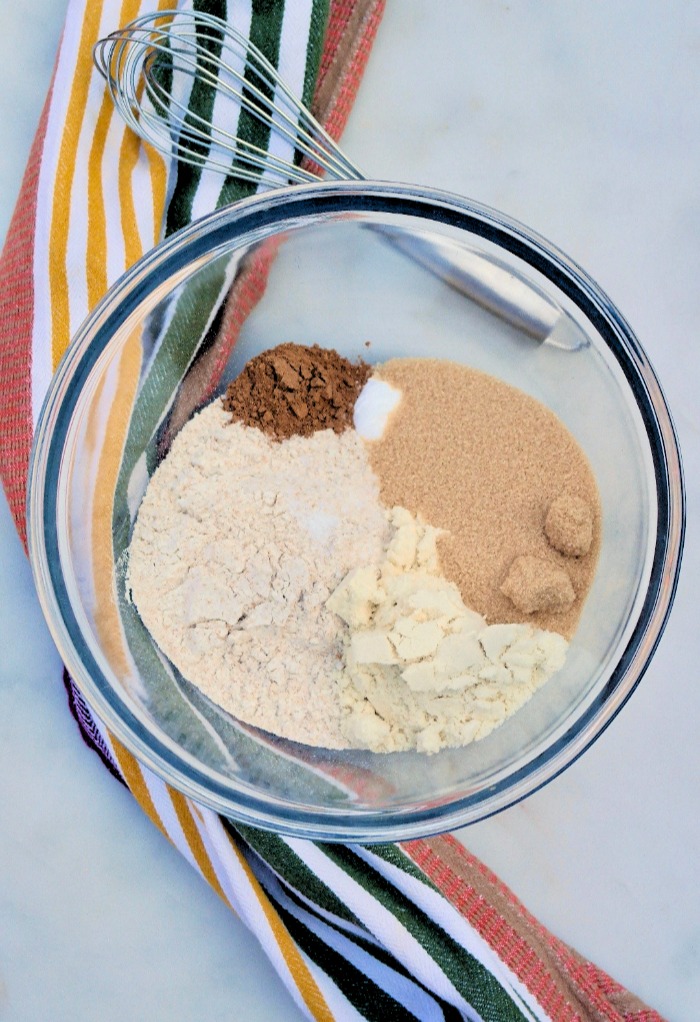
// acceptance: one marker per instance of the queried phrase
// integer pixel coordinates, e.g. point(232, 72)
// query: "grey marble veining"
point(580, 120)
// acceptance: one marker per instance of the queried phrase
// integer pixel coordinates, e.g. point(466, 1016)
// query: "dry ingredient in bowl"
point(239, 543)
point(422, 670)
point(485, 463)
point(294, 390)
point(268, 569)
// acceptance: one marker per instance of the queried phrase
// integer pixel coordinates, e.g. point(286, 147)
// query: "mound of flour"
point(238, 544)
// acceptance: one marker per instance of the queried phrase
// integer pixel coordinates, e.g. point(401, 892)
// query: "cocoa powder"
point(295, 390)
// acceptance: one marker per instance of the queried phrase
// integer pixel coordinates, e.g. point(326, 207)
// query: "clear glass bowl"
point(416, 273)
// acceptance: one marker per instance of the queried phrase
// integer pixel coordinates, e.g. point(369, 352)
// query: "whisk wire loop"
point(188, 129)
point(152, 68)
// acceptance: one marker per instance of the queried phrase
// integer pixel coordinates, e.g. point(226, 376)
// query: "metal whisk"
point(191, 85)
point(199, 91)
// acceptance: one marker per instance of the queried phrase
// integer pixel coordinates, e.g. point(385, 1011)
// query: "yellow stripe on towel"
point(65, 172)
point(106, 613)
point(131, 148)
point(195, 842)
point(97, 273)
point(96, 268)
point(131, 771)
point(306, 984)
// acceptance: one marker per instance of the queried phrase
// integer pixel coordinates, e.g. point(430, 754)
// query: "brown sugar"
point(533, 584)
point(295, 390)
point(569, 525)
point(484, 461)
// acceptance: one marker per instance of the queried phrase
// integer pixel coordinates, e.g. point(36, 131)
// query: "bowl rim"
point(285, 207)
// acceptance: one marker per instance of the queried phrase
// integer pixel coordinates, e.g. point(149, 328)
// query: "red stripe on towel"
point(16, 322)
point(568, 987)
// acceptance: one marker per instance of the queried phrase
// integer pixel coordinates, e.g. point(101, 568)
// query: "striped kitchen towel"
point(415, 930)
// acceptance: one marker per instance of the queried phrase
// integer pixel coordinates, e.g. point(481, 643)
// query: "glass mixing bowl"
point(416, 273)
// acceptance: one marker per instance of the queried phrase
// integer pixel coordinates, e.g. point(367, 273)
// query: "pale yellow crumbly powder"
point(421, 669)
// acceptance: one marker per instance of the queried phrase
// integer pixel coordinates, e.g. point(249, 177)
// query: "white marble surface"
point(582, 121)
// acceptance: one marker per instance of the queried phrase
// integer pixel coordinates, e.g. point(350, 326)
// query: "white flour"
point(238, 544)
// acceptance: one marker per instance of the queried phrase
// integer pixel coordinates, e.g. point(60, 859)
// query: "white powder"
point(238, 544)
point(375, 403)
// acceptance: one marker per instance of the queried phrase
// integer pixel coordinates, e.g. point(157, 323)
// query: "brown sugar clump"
point(295, 390)
point(569, 525)
point(535, 585)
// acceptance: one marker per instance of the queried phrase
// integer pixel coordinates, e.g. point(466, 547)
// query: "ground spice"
point(295, 390)
point(484, 461)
